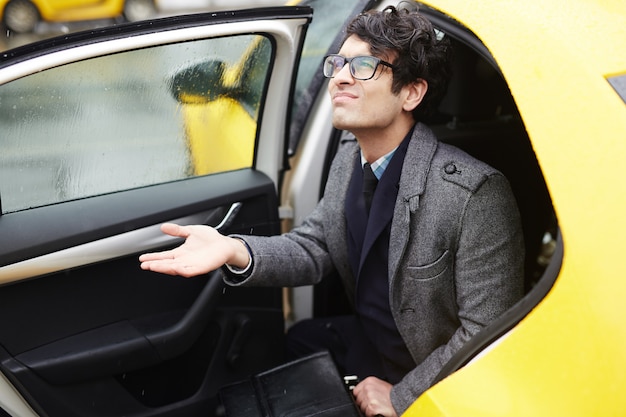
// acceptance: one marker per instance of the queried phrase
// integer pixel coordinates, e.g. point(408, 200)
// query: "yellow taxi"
point(223, 119)
point(23, 15)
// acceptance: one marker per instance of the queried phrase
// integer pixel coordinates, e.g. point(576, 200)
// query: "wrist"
point(241, 260)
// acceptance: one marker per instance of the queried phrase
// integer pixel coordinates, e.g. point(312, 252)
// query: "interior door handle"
point(229, 217)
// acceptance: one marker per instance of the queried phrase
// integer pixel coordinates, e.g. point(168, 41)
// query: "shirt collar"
point(380, 165)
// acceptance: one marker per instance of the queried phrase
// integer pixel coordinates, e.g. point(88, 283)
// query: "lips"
point(343, 96)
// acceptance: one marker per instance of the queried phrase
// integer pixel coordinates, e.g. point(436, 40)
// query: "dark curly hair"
point(420, 55)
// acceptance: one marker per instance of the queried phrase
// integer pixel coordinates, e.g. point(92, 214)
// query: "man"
point(429, 254)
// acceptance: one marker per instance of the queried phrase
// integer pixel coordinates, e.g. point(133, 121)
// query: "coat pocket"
point(432, 270)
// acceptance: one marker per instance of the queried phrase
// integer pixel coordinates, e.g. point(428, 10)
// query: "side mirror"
point(244, 81)
point(200, 83)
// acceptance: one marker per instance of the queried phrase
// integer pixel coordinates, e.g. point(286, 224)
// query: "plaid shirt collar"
point(380, 165)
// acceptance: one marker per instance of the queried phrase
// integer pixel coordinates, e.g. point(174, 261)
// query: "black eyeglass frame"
point(352, 70)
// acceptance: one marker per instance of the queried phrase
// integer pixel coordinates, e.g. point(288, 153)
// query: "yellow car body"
point(74, 10)
point(568, 356)
point(228, 118)
point(208, 121)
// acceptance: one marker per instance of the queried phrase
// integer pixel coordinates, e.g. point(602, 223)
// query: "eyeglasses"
point(361, 67)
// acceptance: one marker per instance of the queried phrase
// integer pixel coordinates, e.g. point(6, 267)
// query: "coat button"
point(450, 169)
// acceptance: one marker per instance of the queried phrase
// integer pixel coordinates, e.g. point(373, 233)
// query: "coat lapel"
point(415, 169)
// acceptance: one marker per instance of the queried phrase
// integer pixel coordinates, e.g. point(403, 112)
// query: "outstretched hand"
point(204, 250)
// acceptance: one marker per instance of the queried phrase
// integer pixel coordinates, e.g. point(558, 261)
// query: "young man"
point(429, 254)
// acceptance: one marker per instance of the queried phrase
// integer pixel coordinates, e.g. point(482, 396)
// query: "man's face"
point(368, 104)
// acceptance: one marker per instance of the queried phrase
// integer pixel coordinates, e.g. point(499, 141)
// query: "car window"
point(131, 119)
point(619, 84)
point(328, 20)
point(324, 32)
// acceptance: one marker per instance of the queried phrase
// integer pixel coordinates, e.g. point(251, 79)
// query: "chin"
point(343, 123)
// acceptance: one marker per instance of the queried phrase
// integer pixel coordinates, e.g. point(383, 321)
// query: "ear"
point(415, 93)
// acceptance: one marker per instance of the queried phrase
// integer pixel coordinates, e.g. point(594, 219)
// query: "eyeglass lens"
point(361, 67)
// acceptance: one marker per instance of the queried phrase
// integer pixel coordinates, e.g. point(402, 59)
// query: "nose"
point(343, 75)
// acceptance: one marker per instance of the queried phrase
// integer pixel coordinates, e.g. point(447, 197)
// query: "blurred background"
point(25, 21)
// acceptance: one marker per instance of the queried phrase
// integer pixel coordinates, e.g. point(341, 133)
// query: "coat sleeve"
point(302, 256)
point(488, 278)
point(293, 259)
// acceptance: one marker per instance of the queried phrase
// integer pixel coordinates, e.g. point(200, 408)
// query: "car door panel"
point(86, 331)
point(112, 322)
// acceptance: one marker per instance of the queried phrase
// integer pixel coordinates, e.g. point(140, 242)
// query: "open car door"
point(105, 135)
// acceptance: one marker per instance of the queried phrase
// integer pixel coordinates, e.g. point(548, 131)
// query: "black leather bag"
point(310, 386)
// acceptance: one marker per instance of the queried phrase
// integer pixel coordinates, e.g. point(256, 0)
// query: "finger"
point(171, 267)
point(175, 230)
point(159, 266)
point(156, 256)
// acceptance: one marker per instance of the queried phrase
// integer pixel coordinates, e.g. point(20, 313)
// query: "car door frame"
point(74, 227)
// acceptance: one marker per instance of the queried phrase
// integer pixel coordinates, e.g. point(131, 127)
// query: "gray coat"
point(455, 257)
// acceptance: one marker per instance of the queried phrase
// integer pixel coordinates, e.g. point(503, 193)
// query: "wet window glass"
point(329, 19)
point(131, 119)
